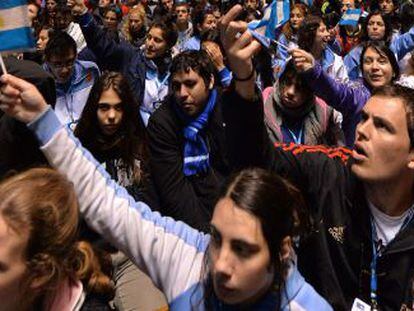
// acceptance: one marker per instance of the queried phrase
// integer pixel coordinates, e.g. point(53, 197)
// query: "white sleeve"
point(169, 251)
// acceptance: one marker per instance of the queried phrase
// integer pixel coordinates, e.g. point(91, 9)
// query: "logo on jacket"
point(89, 76)
point(337, 233)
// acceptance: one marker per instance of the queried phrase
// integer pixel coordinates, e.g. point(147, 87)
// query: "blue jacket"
point(348, 98)
point(194, 43)
point(400, 45)
point(169, 251)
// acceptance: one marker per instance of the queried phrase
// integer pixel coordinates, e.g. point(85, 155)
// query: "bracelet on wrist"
point(236, 78)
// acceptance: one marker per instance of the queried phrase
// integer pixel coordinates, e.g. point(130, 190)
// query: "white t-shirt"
point(387, 226)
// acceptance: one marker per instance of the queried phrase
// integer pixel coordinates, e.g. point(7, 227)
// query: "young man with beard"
point(188, 149)
point(361, 247)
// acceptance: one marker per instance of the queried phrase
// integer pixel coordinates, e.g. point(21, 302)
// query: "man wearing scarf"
point(188, 154)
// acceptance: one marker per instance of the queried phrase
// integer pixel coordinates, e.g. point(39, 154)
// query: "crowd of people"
point(155, 155)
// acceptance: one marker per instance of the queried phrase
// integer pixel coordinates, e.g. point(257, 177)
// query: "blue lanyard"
point(376, 253)
point(296, 139)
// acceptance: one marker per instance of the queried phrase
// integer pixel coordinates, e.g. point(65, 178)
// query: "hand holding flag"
point(275, 15)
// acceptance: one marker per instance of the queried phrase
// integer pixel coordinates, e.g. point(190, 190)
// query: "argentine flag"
point(275, 15)
point(350, 17)
point(15, 31)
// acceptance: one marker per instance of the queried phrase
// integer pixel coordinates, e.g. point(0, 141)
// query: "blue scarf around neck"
point(196, 153)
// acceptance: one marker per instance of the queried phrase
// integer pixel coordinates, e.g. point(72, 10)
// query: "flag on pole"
point(275, 15)
point(350, 17)
point(15, 31)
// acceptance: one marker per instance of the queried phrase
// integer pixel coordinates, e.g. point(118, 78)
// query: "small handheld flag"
point(350, 17)
point(15, 31)
point(269, 44)
point(275, 15)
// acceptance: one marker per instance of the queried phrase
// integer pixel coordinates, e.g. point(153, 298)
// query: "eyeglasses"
point(60, 65)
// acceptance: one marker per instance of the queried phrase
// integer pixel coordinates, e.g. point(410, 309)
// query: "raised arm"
point(346, 98)
point(106, 50)
point(312, 169)
point(170, 252)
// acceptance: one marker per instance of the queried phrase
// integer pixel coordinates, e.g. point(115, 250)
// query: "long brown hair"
point(42, 204)
point(287, 29)
point(133, 145)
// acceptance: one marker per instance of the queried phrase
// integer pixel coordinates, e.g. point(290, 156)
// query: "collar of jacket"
point(293, 284)
point(152, 70)
point(69, 297)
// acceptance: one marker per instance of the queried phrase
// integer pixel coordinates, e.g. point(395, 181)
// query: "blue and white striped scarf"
point(196, 153)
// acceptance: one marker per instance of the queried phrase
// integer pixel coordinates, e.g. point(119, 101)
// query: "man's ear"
point(410, 163)
point(211, 84)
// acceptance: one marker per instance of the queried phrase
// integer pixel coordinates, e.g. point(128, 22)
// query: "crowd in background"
point(160, 93)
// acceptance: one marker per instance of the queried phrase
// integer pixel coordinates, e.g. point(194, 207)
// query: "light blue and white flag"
point(275, 15)
point(15, 31)
point(350, 17)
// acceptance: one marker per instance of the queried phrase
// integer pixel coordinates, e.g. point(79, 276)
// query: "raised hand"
point(238, 43)
point(213, 50)
point(240, 48)
point(303, 60)
point(20, 99)
point(78, 7)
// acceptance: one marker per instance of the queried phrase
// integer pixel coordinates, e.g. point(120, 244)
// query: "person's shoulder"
point(87, 65)
point(164, 118)
point(355, 51)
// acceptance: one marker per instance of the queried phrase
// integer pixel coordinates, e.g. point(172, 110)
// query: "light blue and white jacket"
point(156, 89)
point(400, 45)
point(169, 251)
point(71, 97)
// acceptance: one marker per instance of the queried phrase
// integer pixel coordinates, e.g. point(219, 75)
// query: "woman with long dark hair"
point(111, 129)
point(314, 37)
point(378, 28)
point(112, 17)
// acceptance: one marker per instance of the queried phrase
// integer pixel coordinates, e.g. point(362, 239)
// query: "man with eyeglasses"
point(74, 78)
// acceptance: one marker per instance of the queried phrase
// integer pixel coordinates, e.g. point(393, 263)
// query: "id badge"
point(359, 305)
